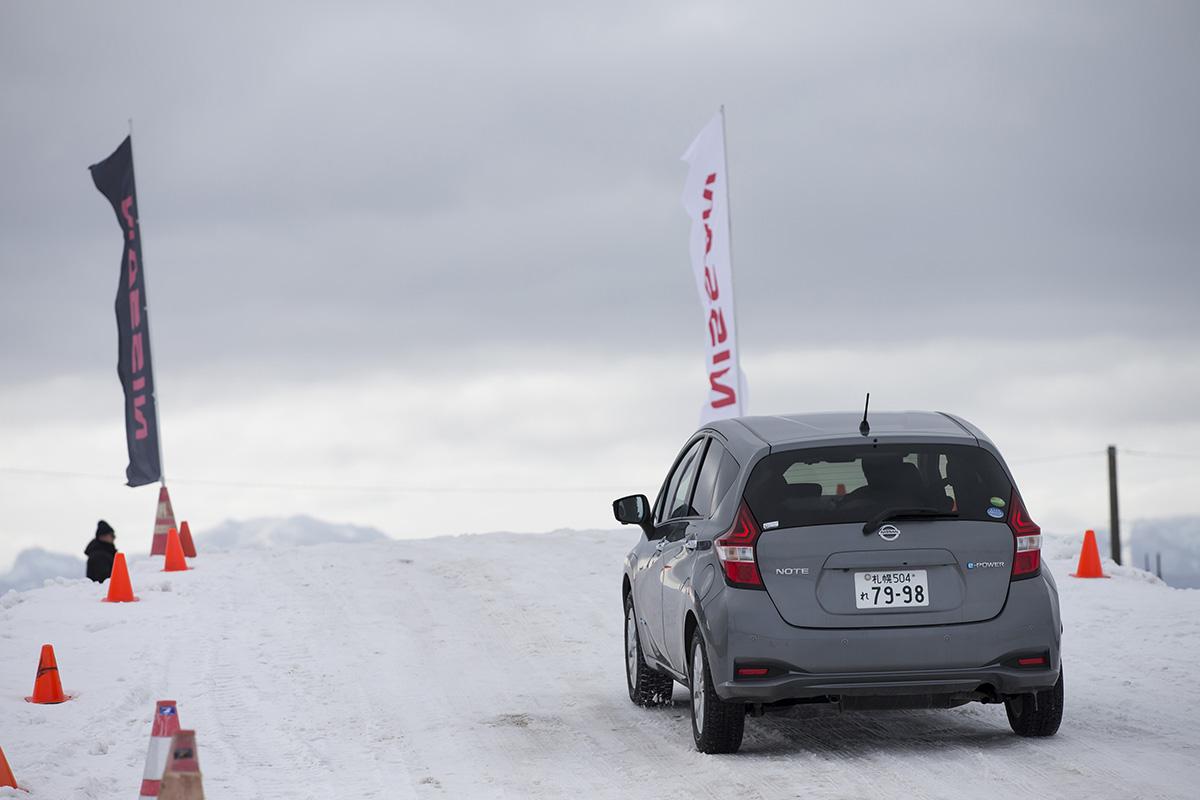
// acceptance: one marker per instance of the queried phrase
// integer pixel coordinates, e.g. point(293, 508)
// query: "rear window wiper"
point(896, 513)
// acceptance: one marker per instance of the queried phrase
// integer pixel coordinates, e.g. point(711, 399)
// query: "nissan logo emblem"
point(889, 533)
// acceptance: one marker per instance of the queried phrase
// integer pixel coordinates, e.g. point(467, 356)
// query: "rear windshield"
point(824, 486)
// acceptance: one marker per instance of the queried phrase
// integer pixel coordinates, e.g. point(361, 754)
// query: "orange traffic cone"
point(164, 520)
point(120, 590)
point(174, 561)
point(1089, 559)
point(185, 539)
point(47, 689)
point(6, 777)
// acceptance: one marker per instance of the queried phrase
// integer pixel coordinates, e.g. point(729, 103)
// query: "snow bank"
point(1177, 540)
point(35, 565)
point(490, 666)
point(297, 531)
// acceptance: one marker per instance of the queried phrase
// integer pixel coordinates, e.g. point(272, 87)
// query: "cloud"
point(365, 182)
point(387, 242)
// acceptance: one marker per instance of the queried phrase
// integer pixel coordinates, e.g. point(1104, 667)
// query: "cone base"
point(49, 702)
point(184, 569)
point(132, 600)
point(1077, 575)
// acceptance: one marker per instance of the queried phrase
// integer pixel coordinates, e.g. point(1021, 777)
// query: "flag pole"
point(729, 228)
point(162, 470)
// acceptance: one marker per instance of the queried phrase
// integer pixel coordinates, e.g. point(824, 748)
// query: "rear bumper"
point(743, 627)
point(956, 682)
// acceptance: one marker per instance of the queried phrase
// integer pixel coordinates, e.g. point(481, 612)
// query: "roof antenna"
point(864, 427)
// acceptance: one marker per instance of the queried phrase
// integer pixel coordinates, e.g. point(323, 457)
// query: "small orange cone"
point(174, 561)
point(6, 777)
point(185, 539)
point(1089, 559)
point(47, 688)
point(120, 590)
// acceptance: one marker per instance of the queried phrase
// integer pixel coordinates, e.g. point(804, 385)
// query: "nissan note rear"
point(795, 559)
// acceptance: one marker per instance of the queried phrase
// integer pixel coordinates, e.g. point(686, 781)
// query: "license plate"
point(894, 588)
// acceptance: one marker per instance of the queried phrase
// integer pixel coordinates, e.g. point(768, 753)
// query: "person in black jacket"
point(100, 552)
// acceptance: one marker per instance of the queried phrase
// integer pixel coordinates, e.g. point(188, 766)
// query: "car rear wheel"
point(646, 687)
point(1037, 713)
point(717, 726)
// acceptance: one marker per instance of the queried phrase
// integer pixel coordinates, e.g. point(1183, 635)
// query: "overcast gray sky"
point(440, 246)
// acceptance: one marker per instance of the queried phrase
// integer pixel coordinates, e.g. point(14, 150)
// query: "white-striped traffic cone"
point(166, 725)
point(164, 520)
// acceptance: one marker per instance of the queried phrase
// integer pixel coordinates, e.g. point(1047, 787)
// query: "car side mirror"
point(632, 510)
point(635, 510)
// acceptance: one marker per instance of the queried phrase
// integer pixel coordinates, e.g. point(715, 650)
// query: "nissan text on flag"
point(114, 179)
point(706, 199)
point(883, 564)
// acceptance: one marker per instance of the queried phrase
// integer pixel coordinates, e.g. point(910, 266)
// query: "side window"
point(725, 477)
point(706, 481)
point(663, 503)
point(681, 482)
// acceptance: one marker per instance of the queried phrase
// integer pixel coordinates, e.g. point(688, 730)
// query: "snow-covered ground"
point(490, 666)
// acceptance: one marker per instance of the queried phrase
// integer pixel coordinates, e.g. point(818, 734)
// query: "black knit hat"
point(103, 527)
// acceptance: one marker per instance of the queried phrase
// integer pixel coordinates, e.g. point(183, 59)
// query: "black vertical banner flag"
point(114, 178)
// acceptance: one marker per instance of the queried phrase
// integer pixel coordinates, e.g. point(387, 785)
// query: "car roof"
point(842, 427)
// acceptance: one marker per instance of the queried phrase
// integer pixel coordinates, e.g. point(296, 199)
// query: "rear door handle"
point(690, 544)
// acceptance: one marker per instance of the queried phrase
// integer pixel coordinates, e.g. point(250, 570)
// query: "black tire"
point(646, 687)
point(717, 726)
point(1036, 713)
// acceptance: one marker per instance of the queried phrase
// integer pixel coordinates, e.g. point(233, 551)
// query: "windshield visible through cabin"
point(831, 485)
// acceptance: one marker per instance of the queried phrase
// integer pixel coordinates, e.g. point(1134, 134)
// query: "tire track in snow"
point(278, 671)
point(560, 693)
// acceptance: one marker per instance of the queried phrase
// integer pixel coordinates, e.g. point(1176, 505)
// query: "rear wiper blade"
point(896, 513)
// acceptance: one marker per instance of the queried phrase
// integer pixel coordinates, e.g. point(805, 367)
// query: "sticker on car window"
point(998, 502)
point(769, 525)
point(995, 513)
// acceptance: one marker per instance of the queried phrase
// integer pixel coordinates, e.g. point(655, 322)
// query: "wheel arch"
point(690, 624)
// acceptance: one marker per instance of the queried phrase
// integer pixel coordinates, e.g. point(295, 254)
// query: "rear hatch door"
point(821, 570)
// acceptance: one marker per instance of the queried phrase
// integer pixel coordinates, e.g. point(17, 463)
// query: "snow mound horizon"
point(299, 530)
point(34, 566)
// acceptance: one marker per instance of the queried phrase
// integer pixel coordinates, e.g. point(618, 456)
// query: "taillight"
point(1028, 555)
point(735, 549)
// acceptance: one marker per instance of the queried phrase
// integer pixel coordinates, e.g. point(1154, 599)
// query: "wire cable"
point(1149, 454)
point(380, 489)
point(1061, 457)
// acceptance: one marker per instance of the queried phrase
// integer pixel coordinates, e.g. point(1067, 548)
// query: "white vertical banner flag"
point(706, 198)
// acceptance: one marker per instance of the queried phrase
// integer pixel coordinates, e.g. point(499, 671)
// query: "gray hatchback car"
point(815, 559)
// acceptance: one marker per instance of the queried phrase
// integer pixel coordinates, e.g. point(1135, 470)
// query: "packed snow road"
point(491, 666)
